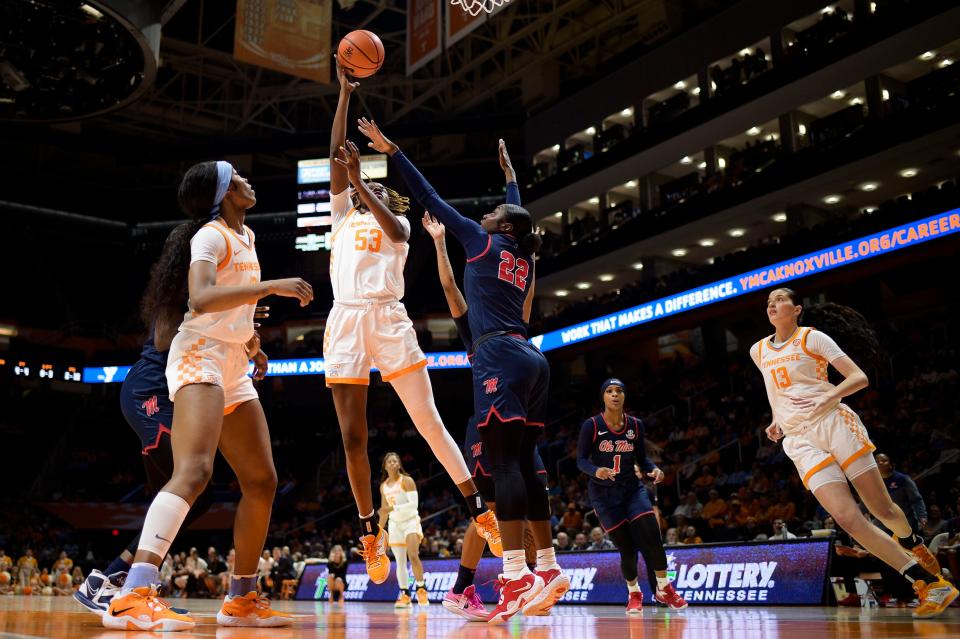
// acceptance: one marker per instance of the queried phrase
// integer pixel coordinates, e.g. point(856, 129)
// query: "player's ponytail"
point(848, 328)
point(167, 292)
point(528, 239)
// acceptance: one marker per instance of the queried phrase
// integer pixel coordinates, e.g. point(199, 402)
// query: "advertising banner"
point(764, 573)
point(459, 23)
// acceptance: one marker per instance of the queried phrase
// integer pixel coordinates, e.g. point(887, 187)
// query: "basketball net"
point(474, 7)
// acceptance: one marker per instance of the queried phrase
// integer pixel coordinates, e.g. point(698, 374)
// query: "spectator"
point(934, 525)
point(26, 567)
point(572, 519)
point(6, 562)
point(784, 508)
point(580, 542)
point(903, 491)
point(690, 508)
point(563, 542)
point(705, 480)
point(599, 541)
point(780, 531)
point(63, 563)
point(671, 538)
point(690, 536)
point(715, 510)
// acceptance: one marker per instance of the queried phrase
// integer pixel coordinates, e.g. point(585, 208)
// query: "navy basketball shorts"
point(480, 468)
point(146, 406)
point(510, 382)
point(618, 505)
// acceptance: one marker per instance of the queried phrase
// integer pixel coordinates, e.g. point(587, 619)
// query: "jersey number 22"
point(513, 270)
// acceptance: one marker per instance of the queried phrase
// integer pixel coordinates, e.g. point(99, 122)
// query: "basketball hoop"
point(474, 7)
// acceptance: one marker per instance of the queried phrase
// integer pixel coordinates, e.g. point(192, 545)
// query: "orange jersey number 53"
point(780, 377)
point(368, 240)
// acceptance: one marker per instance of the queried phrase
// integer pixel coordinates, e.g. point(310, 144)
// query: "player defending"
point(510, 380)
point(610, 446)
point(368, 326)
point(829, 444)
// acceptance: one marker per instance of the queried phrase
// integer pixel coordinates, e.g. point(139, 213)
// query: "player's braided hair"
point(398, 204)
point(850, 329)
point(529, 240)
point(167, 292)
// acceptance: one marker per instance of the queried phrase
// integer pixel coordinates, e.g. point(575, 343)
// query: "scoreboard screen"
point(40, 370)
point(313, 198)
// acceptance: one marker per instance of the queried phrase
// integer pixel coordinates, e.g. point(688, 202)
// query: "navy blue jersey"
point(601, 447)
point(498, 274)
point(144, 397)
point(151, 370)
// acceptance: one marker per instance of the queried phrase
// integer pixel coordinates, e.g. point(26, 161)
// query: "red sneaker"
point(669, 597)
point(514, 595)
point(635, 603)
point(555, 586)
point(851, 601)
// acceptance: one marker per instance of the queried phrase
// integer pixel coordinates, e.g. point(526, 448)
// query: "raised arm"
point(455, 301)
point(349, 159)
point(338, 134)
point(513, 190)
point(468, 232)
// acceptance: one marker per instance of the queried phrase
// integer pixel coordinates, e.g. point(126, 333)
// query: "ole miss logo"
point(490, 385)
point(476, 449)
point(150, 406)
point(631, 434)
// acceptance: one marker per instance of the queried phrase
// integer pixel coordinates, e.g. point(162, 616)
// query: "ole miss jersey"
point(498, 274)
point(599, 446)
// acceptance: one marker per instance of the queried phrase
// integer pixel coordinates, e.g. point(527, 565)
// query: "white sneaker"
point(96, 592)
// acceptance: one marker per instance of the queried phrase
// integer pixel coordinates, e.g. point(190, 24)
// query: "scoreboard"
point(313, 199)
point(27, 369)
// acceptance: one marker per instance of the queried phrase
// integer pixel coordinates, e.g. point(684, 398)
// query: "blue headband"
point(224, 175)
point(613, 381)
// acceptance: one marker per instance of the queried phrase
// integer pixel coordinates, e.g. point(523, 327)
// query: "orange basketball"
point(360, 53)
point(45, 579)
point(63, 580)
point(4, 578)
point(28, 590)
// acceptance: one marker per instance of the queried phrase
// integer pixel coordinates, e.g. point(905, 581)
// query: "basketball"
point(64, 580)
point(47, 590)
point(4, 578)
point(45, 579)
point(28, 590)
point(360, 53)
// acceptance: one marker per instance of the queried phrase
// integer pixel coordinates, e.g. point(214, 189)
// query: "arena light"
point(696, 91)
point(826, 11)
point(802, 130)
point(838, 95)
point(702, 166)
point(594, 200)
point(680, 86)
point(678, 252)
point(555, 148)
point(869, 186)
point(91, 11)
point(707, 242)
point(686, 160)
point(637, 266)
point(561, 292)
point(754, 130)
point(855, 102)
point(590, 130)
point(870, 209)
point(558, 214)
point(928, 55)
point(627, 112)
point(779, 217)
point(631, 184)
point(737, 232)
point(605, 277)
point(722, 163)
point(746, 51)
point(946, 62)
point(583, 286)
point(886, 95)
point(832, 199)
point(908, 173)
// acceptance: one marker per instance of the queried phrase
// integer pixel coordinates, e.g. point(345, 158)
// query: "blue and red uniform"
point(510, 375)
point(624, 498)
point(144, 397)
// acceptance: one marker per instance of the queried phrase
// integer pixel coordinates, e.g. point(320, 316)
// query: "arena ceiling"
point(204, 103)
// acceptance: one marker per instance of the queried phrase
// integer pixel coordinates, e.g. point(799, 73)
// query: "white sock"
point(403, 579)
point(634, 587)
point(162, 523)
point(547, 560)
point(662, 582)
point(416, 393)
point(514, 564)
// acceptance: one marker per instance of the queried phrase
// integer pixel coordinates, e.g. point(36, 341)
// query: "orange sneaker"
point(489, 529)
point(375, 555)
point(403, 601)
point(934, 598)
point(251, 610)
point(422, 598)
point(926, 560)
point(142, 609)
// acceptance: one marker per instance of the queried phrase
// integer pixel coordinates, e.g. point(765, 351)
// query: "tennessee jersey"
point(236, 258)
point(796, 368)
point(365, 264)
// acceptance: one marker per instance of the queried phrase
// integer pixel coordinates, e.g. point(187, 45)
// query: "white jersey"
point(364, 263)
point(236, 258)
point(796, 368)
point(397, 497)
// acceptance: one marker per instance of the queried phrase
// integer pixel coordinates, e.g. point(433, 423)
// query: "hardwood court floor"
point(62, 618)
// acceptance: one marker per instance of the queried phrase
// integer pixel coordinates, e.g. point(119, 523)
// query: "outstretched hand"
point(434, 227)
point(345, 84)
point(348, 157)
point(378, 141)
point(505, 162)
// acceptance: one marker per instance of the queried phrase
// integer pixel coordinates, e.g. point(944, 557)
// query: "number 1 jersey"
point(364, 263)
